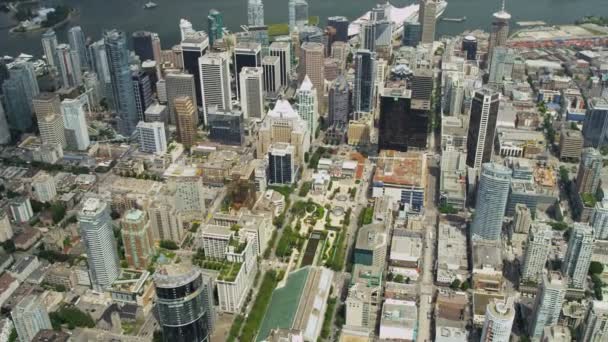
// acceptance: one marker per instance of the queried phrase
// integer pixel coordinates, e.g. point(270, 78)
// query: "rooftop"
point(401, 168)
point(371, 236)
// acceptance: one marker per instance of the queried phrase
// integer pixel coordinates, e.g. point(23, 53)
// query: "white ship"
point(398, 16)
point(150, 5)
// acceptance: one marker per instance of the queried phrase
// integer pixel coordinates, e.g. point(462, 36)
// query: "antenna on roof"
point(503, 5)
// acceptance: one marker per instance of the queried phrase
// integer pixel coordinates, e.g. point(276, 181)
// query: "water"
point(96, 15)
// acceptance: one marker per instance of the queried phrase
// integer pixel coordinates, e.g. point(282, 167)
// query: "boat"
point(455, 20)
point(150, 5)
point(398, 15)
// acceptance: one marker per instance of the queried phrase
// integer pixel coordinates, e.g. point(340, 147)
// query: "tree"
point(57, 212)
point(168, 244)
point(398, 278)
point(9, 246)
point(465, 286)
point(455, 284)
point(596, 268)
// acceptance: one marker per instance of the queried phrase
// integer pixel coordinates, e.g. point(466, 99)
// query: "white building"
point(215, 82)
point(75, 123)
point(187, 185)
point(599, 220)
point(152, 137)
point(21, 209)
point(6, 231)
point(252, 92)
point(215, 240)
point(29, 317)
point(499, 321)
point(537, 251)
point(232, 291)
point(51, 129)
point(578, 255)
point(398, 320)
point(98, 237)
point(165, 221)
point(596, 322)
point(549, 301)
point(308, 106)
point(68, 65)
point(283, 51)
point(43, 186)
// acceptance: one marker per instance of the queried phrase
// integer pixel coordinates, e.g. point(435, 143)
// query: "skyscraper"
point(312, 65)
point(46, 104)
point(52, 130)
point(494, 184)
point(339, 102)
point(501, 65)
point(166, 221)
point(500, 30)
point(255, 13)
point(75, 123)
point(272, 74)
point(283, 51)
point(194, 45)
point(595, 326)
point(182, 304)
point(142, 87)
point(412, 33)
point(49, 44)
point(215, 82)
point(363, 92)
point(215, 26)
point(482, 127)
point(179, 84)
point(68, 65)
point(78, 44)
point(340, 24)
point(30, 316)
point(186, 120)
point(281, 164)
point(226, 127)
point(428, 18)
point(142, 45)
point(549, 301)
point(252, 92)
point(5, 134)
point(298, 14)
point(595, 126)
point(19, 91)
point(152, 137)
point(246, 54)
point(578, 255)
point(498, 321)
point(599, 220)
point(469, 47)
point(589, 170)
point(137, 238)
point(98, 237)
point(99, 62)
point(538, 247)
point(308, 107)
point(122, 85)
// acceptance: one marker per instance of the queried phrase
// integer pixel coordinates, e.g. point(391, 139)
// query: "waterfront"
point(129, 15)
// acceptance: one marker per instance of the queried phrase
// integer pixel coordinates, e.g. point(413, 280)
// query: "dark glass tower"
point(215, 26)
point(194, 46)
point(339, 102)
point(482, 127)
point(143, 93)
point(122, 84)
point(181, 305)
point(364, 81)
point(340, 25)
point(412, 32)
point(400, 127)
point(246, 54)
point(469, 47)
point(142, 45)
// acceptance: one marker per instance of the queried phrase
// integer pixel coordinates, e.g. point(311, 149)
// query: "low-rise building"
point(570, 144)
point(398, 320)
point(371, 245)
point(487, 266)
point(24, 267)
point(406, 249)
point(452, 261)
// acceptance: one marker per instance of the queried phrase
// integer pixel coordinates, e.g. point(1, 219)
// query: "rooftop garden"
point(588, 199)
point(238, 245)
point(228, 270)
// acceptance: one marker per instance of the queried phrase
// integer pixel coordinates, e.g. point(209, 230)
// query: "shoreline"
point(42, 29)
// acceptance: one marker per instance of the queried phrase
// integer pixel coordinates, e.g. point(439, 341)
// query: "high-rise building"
point(599, 220)
point(570, 144)
point(494, 184)
point(122, 84)
point(498, 321)
point(152, 137)
point(339, 102)
point(482, 127)
point(428, 18)
point(363, 92)
point(5, 134)
point(298, 14)
point(6, 230)
point(215, 82)
point(182, 304)
point(500, 30)
point(142, 45)
point(21, 209)
point(98, 237)
point(68, 65)
point(469, 47)
point(46, 104)
point(595, 326)
point(340, 52)
point(252, 93)
point(186, 120)
point(595, 126)
point(589, 170)
point(78, 44)
point(246, 54)
point(30, 316)
point(255, 13)
point(340, 24)
point(215, 26)
point(52, 130)
point(19, 91)
point(538, 247)
point(283, 51)
point(578, 255)
point(165, 221)
point(312, 65)
point(501, 65)
point(75, 123)
point(549, 301)
point(43, 187)
point(226, 127)
point(99, 62)
point(281, 164)
point(522, 219)
point(137, 238)
point(194, 45)
point(187, 185)
point(142, 87)
point(272, 74)
point(177, 85)
point(412, 33)
point(49, 44)
point(422, 89)
point(308, 107)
